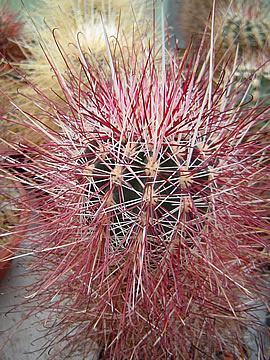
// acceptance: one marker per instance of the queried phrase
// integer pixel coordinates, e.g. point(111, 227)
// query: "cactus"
point(248, 26)
point(239, 25)
point(149, 224)
point(10, 29)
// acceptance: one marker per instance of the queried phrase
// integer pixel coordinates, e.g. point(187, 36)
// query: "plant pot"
point(10, 247)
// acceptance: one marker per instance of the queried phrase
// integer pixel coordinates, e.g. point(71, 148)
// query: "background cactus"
point(239, 25)
point(247, 26)
point(11, 31)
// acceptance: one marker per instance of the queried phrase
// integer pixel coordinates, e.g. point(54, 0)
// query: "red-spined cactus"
point(150, 215)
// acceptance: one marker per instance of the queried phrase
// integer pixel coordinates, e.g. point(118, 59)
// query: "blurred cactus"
point(10, 31)
point(240, 25)
point(247, 26)
point(11, 55)
point(250, 33)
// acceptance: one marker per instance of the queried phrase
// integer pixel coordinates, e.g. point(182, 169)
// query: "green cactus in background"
point(247, 26)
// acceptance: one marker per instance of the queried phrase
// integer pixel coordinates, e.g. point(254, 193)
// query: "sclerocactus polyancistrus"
point(150, 211)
